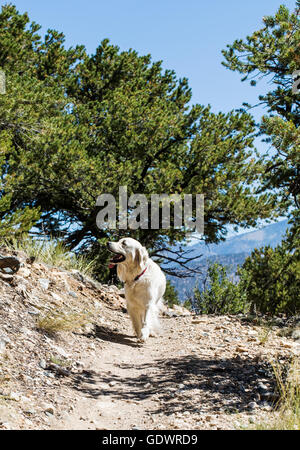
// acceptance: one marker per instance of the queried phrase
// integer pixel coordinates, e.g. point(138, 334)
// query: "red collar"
point(138, 276)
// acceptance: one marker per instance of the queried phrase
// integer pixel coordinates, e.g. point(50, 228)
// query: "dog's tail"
point(160, 305)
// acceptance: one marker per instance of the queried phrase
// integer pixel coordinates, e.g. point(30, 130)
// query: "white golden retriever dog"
point(145, 285)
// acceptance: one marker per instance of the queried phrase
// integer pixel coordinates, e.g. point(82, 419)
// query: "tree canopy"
point(274, 52)
point(74, 126)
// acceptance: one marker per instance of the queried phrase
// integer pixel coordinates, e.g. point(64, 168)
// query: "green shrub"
point(271, 278)
point(219, 295)
point(268, 282)
point(171, 296)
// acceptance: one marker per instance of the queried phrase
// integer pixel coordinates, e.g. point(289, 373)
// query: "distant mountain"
point(231, 253)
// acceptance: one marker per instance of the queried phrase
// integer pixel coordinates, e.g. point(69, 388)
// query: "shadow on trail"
point(109, 335)
point(185, 383)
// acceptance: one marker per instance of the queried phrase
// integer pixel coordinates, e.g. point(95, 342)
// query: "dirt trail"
point(202, 373)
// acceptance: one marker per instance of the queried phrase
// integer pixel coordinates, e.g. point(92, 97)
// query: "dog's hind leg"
point(151, 324)
point(155, 327)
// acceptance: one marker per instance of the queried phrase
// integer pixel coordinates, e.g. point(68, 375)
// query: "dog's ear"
point(141, 256)
point(121, 271)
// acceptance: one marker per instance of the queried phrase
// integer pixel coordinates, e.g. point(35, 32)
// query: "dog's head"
point(129, 255)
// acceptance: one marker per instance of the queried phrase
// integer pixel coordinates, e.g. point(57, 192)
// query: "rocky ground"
point(203, 372)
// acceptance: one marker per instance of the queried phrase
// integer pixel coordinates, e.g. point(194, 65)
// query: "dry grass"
point(55, 322)
point(287, 410)
point(264, 334)
point(51, 252)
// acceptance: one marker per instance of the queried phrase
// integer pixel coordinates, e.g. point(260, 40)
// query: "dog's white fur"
point(144, 296)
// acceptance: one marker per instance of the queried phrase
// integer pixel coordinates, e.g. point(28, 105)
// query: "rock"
point(14, 396)
point(58, 369)
point(268, 396)
point(48, 408)
point(2, 345)
point(30, 412)
point(43, 363)
point(61, 351)
point(170, 313)
point(252, 405)
point(6, 277)
point(181, 310)
point(296, 334)
point(44, 282)
point(89, 328)
point(241, 349)
point(33, 311)
point(112, 383)
point(73, 294)
point(20, 286)
point(24, 272)
point(262, 387)
point(30, 260)
point(208, 418)
point(286, 344)
point(56, 297)
point(27, 422)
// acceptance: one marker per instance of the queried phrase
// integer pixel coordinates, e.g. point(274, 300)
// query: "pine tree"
point(274, 52)
point(80, 125)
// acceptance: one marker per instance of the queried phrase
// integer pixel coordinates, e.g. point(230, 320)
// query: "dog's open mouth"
point(116, 259)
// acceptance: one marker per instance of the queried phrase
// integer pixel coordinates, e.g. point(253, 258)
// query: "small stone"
point(43, 363)
point(44, 283)
point(14, 396)
point(296, 334)
point(73, 294)
point(33, 312)
point(262, 387)
point(30, 412)
point(61, 351)
point(27, 422)
point(112, 383)
point(24, 272)
point(56, 297)
point(59, 370)
point(286, 344)
point(49, 409)
point(241, 349)
point(252, 405)
point(2, 345)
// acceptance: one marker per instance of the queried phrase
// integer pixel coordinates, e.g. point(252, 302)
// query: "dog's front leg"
point(136, 319)
point(148, 322)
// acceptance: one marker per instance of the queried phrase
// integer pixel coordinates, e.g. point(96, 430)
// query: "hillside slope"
point(203, 372)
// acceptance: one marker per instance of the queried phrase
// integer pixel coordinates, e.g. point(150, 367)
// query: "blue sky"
point(187, 36)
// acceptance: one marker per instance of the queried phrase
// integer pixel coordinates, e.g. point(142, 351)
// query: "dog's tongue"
point(111, 265)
